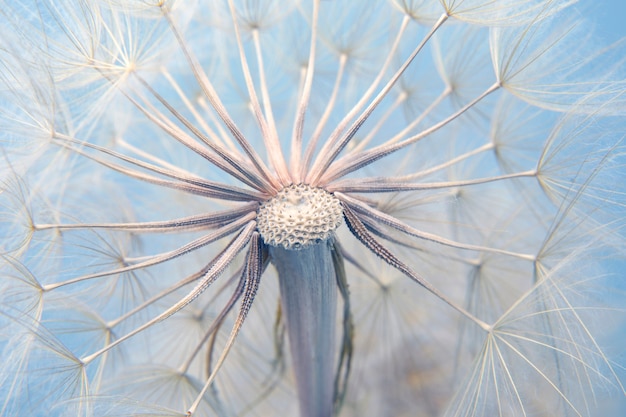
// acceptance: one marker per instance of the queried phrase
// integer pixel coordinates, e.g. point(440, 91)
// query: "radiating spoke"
point(360, 232)
point(232, 166)
point(395, 184)
point(334, 136)
point(451, 162)
point(326, 157)
point(166, 256)
point(371, 214)
point(185, 281)
point(210, 93)
point(221, 190)
point(223, 140)
point(252, 274)
point(183, 224)
point(232, 160)
point(353, 162)
point(410, 126)
point(217, 321)
point(328, 109)
point(298, 125)
point(268, 132)
point(217, 266)
point(190, 185)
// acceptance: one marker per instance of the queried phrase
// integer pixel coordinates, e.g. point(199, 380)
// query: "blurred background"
point(608, 17)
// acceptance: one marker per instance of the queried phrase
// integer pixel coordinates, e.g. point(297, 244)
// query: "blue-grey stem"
point(308, 290)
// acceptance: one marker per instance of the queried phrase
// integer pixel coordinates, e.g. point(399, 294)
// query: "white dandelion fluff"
point(310, 207)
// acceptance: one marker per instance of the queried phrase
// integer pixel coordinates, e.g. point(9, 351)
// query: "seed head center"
point(299, 216)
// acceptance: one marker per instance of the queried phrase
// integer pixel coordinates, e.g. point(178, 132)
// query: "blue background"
point(608, 17)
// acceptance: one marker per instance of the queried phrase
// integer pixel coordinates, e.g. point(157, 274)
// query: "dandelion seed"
point(309, 208)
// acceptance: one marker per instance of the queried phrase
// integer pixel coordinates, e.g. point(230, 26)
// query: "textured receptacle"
point(299, 216)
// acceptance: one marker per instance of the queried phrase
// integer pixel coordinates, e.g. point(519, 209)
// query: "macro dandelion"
point(310, 207)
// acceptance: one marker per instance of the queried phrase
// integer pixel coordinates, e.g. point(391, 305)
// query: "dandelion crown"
point(299, 216)
point(310, 207)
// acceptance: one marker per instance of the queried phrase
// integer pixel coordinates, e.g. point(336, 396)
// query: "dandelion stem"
point(347, 343)
point(308, 288)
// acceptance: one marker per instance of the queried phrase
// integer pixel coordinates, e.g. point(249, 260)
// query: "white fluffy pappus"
point(310, 207)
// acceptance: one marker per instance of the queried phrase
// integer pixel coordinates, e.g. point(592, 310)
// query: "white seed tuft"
point(299, 216)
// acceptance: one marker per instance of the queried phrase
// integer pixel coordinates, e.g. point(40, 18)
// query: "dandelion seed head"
point(170, 169)
point(299, 216)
